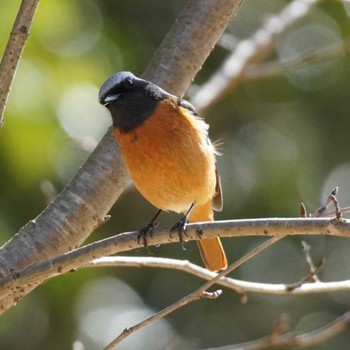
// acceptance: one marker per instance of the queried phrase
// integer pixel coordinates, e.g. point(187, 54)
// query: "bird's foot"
point(146, 231)
point(180, 228)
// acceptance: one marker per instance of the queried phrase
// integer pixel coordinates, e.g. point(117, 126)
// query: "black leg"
point(180, 227)
point(148, 229)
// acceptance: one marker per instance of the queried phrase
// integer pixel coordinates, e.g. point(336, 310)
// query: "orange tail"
point(211, 249)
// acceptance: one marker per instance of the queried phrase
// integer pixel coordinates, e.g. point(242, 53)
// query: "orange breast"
point(169, 158)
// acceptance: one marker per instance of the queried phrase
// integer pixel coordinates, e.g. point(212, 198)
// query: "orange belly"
point(169, 159)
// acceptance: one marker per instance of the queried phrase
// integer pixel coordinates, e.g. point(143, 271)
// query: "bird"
point(168, 154)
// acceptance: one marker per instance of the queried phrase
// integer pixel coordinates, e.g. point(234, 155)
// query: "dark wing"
point(217, 201)
point(188, 106)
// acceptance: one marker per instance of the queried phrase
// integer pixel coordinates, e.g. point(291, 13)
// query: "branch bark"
point(184, 49)
point(85, 201)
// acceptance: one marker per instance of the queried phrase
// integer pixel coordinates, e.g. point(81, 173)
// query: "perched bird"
point(168, 154)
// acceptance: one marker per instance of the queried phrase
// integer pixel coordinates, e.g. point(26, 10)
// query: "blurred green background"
point(284, 138)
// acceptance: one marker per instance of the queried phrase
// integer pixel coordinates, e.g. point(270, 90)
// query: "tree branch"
point(85, 201)
point(167, 67)
point(254, 71)
point(197, 294)
point(14, 49)
point(241, 287)
point(296, 340)
point(18, 282)
point(256, 48)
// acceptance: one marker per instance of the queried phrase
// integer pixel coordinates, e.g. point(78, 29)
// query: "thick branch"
point(86, 200)
point(14, 48)
point(167, 67)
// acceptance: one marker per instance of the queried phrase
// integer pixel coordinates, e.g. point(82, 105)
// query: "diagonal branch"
point(274, 68)
point(256, 48)
point(14, 49)
point(195, 295)
point(204, 22)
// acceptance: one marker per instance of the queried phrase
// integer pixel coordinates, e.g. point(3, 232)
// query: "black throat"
point(133, 107)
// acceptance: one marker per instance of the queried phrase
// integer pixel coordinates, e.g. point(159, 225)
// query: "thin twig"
point(321, 211)
point(315, 337)
point(331, 213)
point(309, 278)
point(14, 49)
point(255, 71)
point(194, 295)
point(303, 211)
point(338, 212)
point(323, 207)
point(313, 270)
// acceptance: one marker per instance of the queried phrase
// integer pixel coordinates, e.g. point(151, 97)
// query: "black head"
point(131, 100)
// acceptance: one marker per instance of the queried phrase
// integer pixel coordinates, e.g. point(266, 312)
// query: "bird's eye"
point(129, 82)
